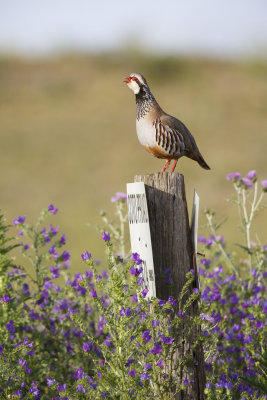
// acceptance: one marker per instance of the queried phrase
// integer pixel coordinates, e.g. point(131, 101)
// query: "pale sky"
point(220, 28)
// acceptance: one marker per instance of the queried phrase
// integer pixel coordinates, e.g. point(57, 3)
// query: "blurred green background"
point(68, 134)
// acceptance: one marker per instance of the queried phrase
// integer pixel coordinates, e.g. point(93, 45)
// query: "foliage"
point(98, 336)
point(233, 296)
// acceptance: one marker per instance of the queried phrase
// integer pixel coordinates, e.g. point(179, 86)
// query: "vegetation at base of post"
point(97, 336)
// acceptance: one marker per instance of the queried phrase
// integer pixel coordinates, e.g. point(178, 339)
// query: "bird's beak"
point(127, 79)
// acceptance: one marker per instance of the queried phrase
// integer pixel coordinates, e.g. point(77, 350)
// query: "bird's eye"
point(135, 79)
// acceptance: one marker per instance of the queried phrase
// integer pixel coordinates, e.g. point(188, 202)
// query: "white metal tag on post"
point(140, 233)
point(194, 230)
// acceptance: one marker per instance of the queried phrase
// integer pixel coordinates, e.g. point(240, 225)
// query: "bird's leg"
point(174, 165)
point(165, 166)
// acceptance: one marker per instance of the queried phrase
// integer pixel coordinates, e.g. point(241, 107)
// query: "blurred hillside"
point(68, 134)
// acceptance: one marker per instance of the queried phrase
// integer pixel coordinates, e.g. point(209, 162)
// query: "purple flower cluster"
point(57, 336)
point(246, 181)
point(118, 196)
point(235, 314)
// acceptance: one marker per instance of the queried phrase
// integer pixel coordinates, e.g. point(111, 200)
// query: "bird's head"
point(136, 82)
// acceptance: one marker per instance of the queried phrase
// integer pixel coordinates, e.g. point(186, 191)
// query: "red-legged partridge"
point(161, 134)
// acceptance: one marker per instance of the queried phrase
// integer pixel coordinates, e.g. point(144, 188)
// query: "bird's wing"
point(173, 136)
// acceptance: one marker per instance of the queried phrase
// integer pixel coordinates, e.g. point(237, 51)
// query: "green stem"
point(238, 190)
point(213, 230)
point(247, 226)
point(122, 221)
point(121, 367)
point(38, 260)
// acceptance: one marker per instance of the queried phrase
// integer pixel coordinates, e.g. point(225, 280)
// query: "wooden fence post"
point(172, 248)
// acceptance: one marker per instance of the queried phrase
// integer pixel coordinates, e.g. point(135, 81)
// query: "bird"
point(164, 136)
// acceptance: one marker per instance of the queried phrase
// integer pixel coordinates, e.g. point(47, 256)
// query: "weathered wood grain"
point(172, 248)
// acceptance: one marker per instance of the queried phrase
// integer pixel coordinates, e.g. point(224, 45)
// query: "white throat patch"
point(134, 86)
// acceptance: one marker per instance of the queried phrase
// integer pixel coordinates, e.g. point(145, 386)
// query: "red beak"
point(127, 79)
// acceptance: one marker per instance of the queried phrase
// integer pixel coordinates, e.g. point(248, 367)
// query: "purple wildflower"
point(156, 349)
point(78, 373)
point(144, 376)
point(264, 185)
point(140, 280)
point(63, 239)
point(44, 294)
point(34, 389)
point(65, 255)
point(54, 271)
point(233, 175)
point(147, 366)
point(207, 318)
point(105, 236)
point(125, 312)
point(135, 271)
point(181, 314)
point(132, 372)
point(146, 336)
point(61, 388)
point(93, 293)
point(19, 220)
point(50, 382)
point(1, 349)
point(52, 209)
point(251, 174)
point(87, 346)
point(5, 299)
point(86, 256)
point(145, 292)
point(202, 239)
point(80, 388)
point(134, 298)
point(26, 291)
point(108, 341)
point(259, 325)
point(52, 251)
point(47, 285)
point(205, 261)
point(118, 196)
point(52, 230)
point(247, 182)
point(105, 274)
point(89, 274)
point(136, 258)
point(10, 326)
point(129, 362)
point(172, 301)
point(168, 339)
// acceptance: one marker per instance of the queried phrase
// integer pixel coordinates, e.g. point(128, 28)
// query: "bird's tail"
point(201, 161)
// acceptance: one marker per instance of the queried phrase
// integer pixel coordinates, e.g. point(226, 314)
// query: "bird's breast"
point(146, 132)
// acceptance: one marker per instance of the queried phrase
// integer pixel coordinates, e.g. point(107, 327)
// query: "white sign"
point(140, 233)
point(194, 230)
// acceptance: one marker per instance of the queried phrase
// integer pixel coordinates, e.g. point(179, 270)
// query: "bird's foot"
point(165, 166)
point(174, 165)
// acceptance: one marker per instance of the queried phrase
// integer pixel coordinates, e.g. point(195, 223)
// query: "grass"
point(68, 133)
